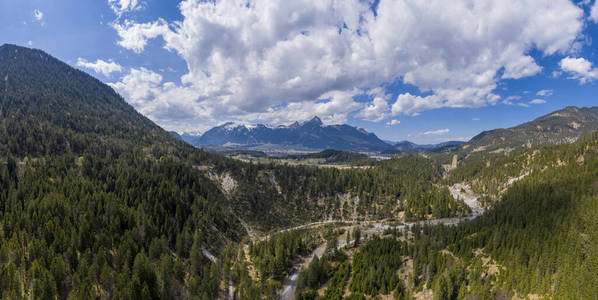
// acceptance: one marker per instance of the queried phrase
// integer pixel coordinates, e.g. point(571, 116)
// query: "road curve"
point(289, 285)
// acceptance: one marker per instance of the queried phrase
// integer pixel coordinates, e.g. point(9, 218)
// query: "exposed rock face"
point(227, 183)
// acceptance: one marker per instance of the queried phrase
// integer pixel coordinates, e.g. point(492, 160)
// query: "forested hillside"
point(298, 194)
point(559, 127)
point(98, 201)
point(543, 231)
point(538, 241)
point(48, 107)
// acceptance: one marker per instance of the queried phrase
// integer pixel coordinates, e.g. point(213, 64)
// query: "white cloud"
point(524, 66)
point(122, 6)
point(100, 66)
point(134, 36)
point(333, 108)
point(537, 101)
point(375, 111)
point(392, 123)
point(411, 105)
point(437, 132)
point(510, 100)
point(38, 14)
point(545, 93)
point(579, 68)
point(594, 12)
point(277, 60)
point(476, 119)
point(160, 101)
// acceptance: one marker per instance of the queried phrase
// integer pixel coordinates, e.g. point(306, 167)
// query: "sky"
point(424, 71)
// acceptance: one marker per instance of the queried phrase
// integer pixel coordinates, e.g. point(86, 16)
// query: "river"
point(460, 191)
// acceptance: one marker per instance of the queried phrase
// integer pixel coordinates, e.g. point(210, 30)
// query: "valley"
point(370, 229)
point(99, 202)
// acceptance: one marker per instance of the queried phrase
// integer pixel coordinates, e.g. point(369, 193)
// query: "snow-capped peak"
point(234, 125)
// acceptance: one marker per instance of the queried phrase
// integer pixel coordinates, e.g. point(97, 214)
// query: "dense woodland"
point(123, 228)
point(539, 239)
point(379, 191)
point(96, 201)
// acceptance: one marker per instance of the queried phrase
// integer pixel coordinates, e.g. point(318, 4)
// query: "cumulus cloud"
point(579, 68)
point(268, 59)
point(100, 66)
point(134, 36)
point(122, 6)
point(545, 93)
point(437, 132)
point(412, 105)
point(392, 123)
point(376, 111)
point(537, 101)
point(524, 66)
point(160, 101)
point(334, 109)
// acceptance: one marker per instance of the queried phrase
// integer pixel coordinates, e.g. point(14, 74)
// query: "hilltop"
point(559, 127)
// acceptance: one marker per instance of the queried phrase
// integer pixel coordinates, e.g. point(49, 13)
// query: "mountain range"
point(308, 136)
point(559, 127)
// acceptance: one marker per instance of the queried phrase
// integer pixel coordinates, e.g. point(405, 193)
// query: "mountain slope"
point(48, 107)
point(96, 201)
point(538, 242)
point(552, 207)
point(559, 127)
point(312, 135)
point(87, 183)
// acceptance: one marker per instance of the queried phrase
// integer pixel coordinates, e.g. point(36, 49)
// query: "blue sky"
point(440, 70)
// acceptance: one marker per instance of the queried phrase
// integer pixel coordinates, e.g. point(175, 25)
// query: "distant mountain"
point(310, 135)
point(559, 127)
point(191, 139)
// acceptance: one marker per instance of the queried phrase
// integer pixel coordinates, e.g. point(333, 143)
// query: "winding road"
point(458, 191)
point(289, 285)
